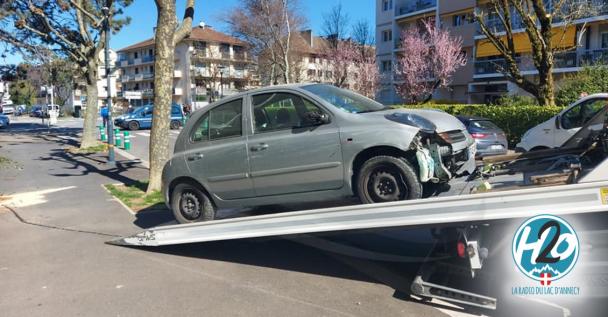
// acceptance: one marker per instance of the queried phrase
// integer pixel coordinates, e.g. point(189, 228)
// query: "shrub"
point(590, 80)
point(515, 101)
point(514, 120)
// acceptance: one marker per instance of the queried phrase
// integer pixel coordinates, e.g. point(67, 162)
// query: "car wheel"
point(190, 204)
point(387, 178)
point(133, 125)
point(175, 125)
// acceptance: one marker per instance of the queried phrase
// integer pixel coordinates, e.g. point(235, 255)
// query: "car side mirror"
point(316, 118)
point(557, 122)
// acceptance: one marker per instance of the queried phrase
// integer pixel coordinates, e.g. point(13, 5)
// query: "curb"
point(131, 157)
point(118, 200)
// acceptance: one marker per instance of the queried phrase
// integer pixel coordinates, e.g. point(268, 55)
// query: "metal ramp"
point(434, 212)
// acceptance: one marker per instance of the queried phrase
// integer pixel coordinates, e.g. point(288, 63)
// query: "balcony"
point(240, 56)
point(411, 7)
point(200, 71)
point(561, 61)
point(200, 53)
point(225, 55)
point(148, 76)
point(148, 59)
point(587, 9)
point(147, 92)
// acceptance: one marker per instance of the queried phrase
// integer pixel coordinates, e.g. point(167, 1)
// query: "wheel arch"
point(188, 180)
point(366, 154)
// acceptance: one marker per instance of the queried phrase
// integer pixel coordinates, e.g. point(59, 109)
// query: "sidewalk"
point(56, 263)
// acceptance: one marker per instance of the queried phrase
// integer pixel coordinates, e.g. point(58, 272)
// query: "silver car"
point(309, 142)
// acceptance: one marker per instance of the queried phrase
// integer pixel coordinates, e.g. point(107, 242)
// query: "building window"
point(151, 69)
point(136, 55)
point(150, 52)
point(387, 35)
point(458, 20)
point(136, 70)
point(387, 66)
point(310, 72)
point(605, 40)
point(387, 5)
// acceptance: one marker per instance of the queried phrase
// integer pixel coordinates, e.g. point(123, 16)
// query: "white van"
point(555, 131)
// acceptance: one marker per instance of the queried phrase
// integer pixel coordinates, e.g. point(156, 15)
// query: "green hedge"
point(514, 120)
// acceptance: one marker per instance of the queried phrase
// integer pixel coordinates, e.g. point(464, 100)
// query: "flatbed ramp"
point(435, 212)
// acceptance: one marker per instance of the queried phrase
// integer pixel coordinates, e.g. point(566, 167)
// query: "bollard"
point(117, 141)
point(100, 131)
point(103, 134)
point(184, 118)
point(127, 141)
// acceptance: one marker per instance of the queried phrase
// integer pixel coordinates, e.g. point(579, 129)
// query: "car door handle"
point(195, 157)
point(259, 147)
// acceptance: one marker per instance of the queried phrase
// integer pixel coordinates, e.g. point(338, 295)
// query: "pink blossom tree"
point(367, 75)
point(340, 58)
point(429, 59)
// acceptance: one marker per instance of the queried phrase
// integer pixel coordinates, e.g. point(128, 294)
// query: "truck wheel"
point(133, 125)
point(387, 178)
point(190, 204)
point(175, 125)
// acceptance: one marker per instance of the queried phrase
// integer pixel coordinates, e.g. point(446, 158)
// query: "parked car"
point(8, 109)
point(489, 138)
point(309, 142)
point(5, 121)
point(20, 110)
point(141, 118)
point(557, 130)
point(36, 111)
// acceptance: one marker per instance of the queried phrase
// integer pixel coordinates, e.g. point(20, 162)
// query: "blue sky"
point(143, 17)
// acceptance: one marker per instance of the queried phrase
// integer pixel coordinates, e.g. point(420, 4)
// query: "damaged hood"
point(442, 121)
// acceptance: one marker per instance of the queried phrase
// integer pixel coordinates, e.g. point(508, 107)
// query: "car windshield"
point(345, 100)
point(484, 124)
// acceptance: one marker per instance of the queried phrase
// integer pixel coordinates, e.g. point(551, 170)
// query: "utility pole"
point(107, 12)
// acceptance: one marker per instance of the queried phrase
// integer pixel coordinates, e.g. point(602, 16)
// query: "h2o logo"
point(545, 248)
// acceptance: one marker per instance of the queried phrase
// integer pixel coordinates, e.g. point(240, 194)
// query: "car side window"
point(175, 111)
point(221, 122)
point(281, 111)
point(579, 115)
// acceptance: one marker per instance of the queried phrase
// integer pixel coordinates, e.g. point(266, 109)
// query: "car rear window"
point(484, 124)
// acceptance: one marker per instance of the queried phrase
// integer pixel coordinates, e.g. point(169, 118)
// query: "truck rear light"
point(479, 135)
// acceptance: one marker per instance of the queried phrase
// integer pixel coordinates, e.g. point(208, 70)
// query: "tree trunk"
point(89, 131)
point(163, 91)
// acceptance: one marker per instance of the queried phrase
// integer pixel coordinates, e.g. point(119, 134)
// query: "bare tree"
point(335, 24)
point(363, 37)
point(499, 21)
point(167, 35)
point(267, 26)
point(70, 28)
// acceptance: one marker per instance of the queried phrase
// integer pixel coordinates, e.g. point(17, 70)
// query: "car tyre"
point(133, 125)
point(175, 125)
point(190, 204)
point(387, 178)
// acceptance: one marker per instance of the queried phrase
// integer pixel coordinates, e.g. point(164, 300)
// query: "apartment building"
point(208, 64)
point(309, 63)
point(480, 80)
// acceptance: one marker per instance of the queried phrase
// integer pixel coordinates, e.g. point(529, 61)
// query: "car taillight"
point(479, 135)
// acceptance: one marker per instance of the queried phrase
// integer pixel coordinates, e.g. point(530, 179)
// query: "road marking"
point(143, 133)
point(32, 198)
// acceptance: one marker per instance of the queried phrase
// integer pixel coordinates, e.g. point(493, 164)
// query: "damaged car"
point(309, 142)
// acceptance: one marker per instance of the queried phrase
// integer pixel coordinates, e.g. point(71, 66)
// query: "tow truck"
point(570, 180)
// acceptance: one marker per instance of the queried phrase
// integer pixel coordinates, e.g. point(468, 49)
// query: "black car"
point(489, 138)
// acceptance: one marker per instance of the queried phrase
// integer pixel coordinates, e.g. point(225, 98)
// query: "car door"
point(217, 152)
point(574, 118)
point(145, 121)
point(289, 153)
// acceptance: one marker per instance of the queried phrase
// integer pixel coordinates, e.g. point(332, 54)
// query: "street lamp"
point(107, 16)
